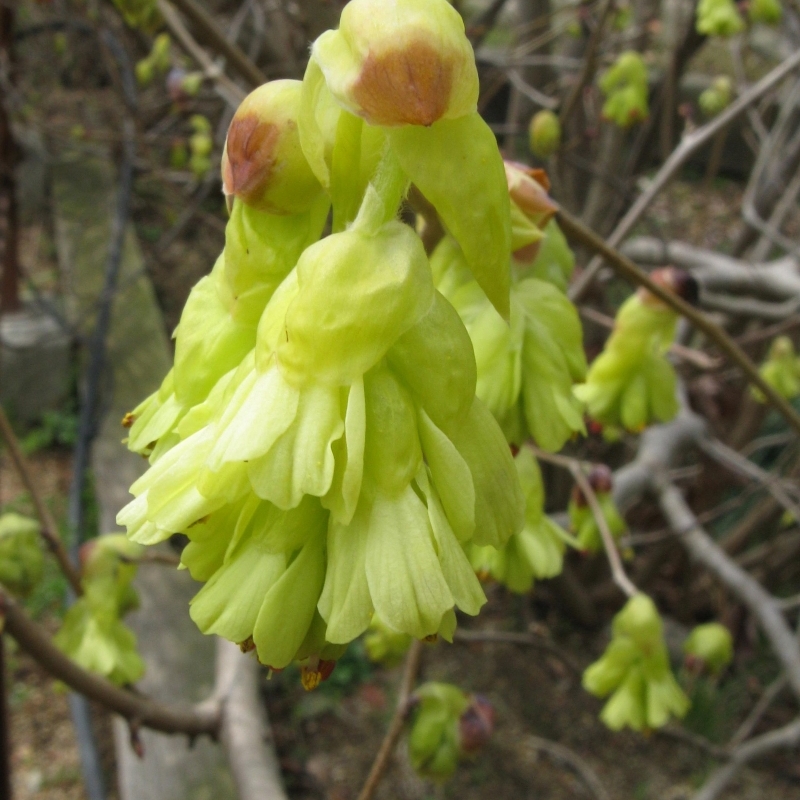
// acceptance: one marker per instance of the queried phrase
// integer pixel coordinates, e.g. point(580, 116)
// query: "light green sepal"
point(457, 166)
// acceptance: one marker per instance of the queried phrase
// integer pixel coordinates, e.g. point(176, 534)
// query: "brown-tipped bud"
point(600, 479)
point(263, 164)
point(475, 726)
point(400, 62)
point(677, 281)
point(528, 189)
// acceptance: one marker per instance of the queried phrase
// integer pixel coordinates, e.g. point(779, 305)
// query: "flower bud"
point(475, 726)
point(718, 18)
point(544, 133)
point(717, 97)
point(263, 164)
point(527, 189)
point(400, 62)
point(677, 281)
point(709, 646)
point(21, 559)
point(781, 370)
point(768, 12)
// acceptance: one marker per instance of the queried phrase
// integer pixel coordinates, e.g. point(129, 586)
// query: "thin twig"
point(765, 701)
point(49, 528)
point(785, 737)
point(167, 718)
point(680, 155)
point(575, 467)
point(517, 637)
point(413, 659)
point(576, 230)
point(572, 760)
point(217, 39)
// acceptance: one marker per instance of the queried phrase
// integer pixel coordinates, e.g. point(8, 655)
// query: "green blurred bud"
point(781, 370)
point(21, 557)
point(145, 72)
point(400, 62)
point(385, 645)
point(138, 13)
point(718, 18)
point(544, 133)
point(709, 646)
point(717, 97)
point(768, 12)
point(192, 83)
point(263, 164)
point(581, 517)
point(160, 52)
point(178, 154)
point(625, 87)
point(433, 743)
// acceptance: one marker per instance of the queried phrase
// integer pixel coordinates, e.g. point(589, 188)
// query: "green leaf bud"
point(718, 18)
point(21, 557)
point(544, 133)
point(263, 164)
point(709, 646)
point(400, 62)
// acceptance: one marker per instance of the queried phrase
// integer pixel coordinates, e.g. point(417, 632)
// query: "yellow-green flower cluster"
point(635, 671)
point(319, 440)
point(626, 90)
point(21, 558)
point(631, 383)
point(93, 633)
point(537, 551)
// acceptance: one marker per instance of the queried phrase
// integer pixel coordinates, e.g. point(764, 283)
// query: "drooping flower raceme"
point(635, 671)
point(718, 18)
point(537, 551)
point(625, 88)
point(631, 383)
point(338, 468)
point(93, 633)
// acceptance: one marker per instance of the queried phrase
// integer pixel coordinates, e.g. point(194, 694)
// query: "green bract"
point(626, 89)
point(319, 440)
point(537, 551)
point(93, 633)
point(401, 74)
point(781, 370)
point(711, 645)
point(631, 383)
point(635, 671)
point(718, 18)
point(21, 558)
